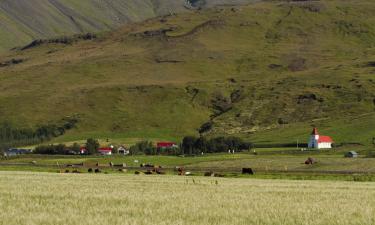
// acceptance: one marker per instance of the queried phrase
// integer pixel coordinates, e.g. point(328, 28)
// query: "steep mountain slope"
point(24, 20)
point(266, 72)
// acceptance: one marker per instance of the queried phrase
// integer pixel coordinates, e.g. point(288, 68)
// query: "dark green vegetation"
point(23, 21)
point(190, 146)
point(266, 72)
point(12, 136)
point(194, 146)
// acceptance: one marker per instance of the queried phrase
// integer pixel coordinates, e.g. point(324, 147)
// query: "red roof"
point(165, 144)
point(325, 139)
point(105, 149)
point(315, 131)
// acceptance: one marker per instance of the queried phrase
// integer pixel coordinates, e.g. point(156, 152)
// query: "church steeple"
point(315, 131)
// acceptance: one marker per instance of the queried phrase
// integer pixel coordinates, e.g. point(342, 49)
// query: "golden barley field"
point(77, 199)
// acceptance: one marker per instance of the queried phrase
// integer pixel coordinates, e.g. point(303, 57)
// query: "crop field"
point(46, 198)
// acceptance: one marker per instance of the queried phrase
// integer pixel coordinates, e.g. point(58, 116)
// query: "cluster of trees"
point(11, 136)
point(91, 146)
point(190, 146)
point(148, 148)
point(194, 145)
point(59, 149)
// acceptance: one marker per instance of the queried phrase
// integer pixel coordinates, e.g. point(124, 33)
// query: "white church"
point(319, 142)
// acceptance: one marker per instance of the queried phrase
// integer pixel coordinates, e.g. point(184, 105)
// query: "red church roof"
point(325, 139)
point(322, 139)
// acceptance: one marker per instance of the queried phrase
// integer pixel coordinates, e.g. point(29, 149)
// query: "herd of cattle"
point(144, 168)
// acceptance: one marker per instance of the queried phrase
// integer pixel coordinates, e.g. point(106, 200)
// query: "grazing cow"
point(209, 174)
point(148, 172)
point(180, 171)
point(90, 170)
point(160, 172)
point(310, 161)
point(247, 171)
point(157, 170)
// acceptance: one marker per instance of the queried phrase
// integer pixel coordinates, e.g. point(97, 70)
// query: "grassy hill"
point(266, 72)
point(23, 21)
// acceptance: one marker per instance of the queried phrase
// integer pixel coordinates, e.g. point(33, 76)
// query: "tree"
point(60, 149)
point(76, 148)
point(145, 147)
point(92, 146)
point(193, 145)
point(201, 145)
point(188, 144)
point(2, 150)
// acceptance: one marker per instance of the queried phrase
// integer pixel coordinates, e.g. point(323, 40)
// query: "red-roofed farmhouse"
point(166, 145)
point(105, 151)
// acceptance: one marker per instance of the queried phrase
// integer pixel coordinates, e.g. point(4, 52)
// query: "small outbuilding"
point(351, 154)
point(123, 151)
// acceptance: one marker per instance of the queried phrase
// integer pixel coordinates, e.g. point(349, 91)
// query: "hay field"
point(46, 198)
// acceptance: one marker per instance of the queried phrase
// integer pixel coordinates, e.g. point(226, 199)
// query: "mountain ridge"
point(22, 21)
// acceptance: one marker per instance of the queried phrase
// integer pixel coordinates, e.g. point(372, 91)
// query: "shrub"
point(143, 147)
point(59, 149)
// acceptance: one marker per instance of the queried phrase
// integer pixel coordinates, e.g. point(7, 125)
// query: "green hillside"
point(23, 21)
point(266, 72)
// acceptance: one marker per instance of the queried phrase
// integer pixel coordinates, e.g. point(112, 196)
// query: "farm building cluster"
point(122, 150)
point(316, 141)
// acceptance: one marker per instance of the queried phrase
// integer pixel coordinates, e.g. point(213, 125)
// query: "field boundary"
point(193, 169)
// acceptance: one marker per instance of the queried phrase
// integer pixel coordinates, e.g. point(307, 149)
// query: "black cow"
point(247, 171)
